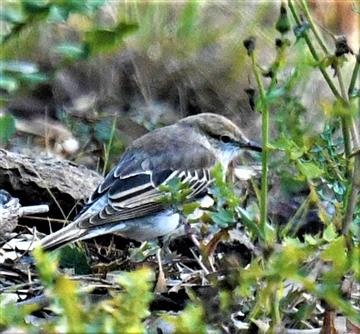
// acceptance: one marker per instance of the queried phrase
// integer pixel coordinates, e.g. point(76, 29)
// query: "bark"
point(45, 180)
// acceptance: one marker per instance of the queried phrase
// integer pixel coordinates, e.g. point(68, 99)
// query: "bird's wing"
point(131, 189)
point(123, 198)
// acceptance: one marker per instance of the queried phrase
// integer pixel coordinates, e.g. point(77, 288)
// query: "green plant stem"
point(313, 27)
point(354, 76)
point(265, 152)
point(346, 123)
point(275, 68)
point(108, 147)
point(352, 197)
point(275, 310)
point(300, 212)
point(349, 126)
point(347, 143)
point(314, 53)
point(342, 85)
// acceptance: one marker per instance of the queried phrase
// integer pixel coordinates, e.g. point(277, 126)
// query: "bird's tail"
point(62, 237)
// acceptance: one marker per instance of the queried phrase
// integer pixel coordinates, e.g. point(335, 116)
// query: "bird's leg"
point(161, 281)
point(164, 243)
point(190, 234)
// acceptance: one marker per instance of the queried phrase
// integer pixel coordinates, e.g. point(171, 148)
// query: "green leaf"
point(275, 94)
point(58, 14)
point(304, 312)
point(32, 7)
point(329, 233)
point(61, 9)
point(336, 253)
point(281, 144)
point(72, 51)
point(188, 19)
point(248, 222)
point(140, 254)
point(8, 83)
point(94, 4)
point(19, 67)
point(34, 78)
point(269, 234)
point(72, 257)
point(309, 239)
point(354, 260)
point(189, 208)
point(190, 320)
point(309, 169)
point(79, 6)
point(46, 264)
point(295, 153)
point(354, 93)
point(12, 15)
point(7, 127)
point(222, 218)
point(292, 149)
point(108, 40)
point(338, 188)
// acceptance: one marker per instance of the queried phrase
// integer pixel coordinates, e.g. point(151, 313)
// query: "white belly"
point(151, 227)
point(141, 229)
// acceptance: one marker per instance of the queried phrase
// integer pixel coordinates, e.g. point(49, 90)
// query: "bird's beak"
point(252, 146)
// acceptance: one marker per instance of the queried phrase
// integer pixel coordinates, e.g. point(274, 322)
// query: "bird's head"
point(220, 131)
point(225, 137)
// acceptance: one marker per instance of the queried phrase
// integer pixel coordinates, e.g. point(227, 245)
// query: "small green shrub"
point(72, 312)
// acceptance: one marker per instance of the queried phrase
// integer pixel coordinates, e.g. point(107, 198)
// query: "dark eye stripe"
point(222, 138)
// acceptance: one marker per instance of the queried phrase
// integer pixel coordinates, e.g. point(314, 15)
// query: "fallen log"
point(61, 184)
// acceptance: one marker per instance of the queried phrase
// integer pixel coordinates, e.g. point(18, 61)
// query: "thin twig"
point(265, 152)
point(352, 197)
point(55, 220)
point(313, 27)
point(354, 76)
point(108, 147)
point(300, 212)
point(50, 193)
point(314, 53)
point(201, 264)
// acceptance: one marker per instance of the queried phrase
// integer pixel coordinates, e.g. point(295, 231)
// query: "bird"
point(128, 202)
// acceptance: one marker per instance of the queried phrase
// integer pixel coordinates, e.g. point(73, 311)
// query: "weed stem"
point(313, 27)
point(265, 153)
point(314, 53)
point(354, 76)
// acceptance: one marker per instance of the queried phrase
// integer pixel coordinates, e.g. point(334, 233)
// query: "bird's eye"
point(225, 139)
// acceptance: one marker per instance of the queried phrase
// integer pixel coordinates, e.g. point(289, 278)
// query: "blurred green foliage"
point(190, 321)
point(27, 15)
point(7, 128)
point(72, 257)
point(73, 313)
